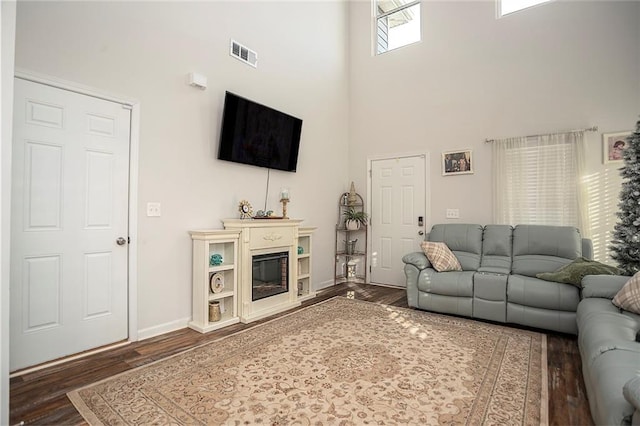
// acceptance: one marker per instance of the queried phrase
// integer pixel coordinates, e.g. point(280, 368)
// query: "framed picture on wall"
point(457, 163)
point(613, 144)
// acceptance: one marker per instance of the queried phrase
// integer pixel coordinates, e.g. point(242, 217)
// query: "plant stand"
point(350, 245)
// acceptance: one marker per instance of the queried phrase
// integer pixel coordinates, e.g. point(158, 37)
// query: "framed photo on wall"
point(457, 163)
point(613, 144)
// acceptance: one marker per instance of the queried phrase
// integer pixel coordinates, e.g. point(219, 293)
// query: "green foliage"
point(357, 215)
point(625, 246)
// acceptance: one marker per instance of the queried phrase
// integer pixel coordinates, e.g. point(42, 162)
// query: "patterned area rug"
point(340, 362)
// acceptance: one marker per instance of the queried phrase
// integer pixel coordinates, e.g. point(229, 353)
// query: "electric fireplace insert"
point(270, 275)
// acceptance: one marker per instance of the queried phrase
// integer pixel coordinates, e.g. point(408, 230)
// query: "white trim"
point(427, 155)
point(427, 196)
point(167, 327)
point(389, 286)
point(134, 149)
point(323, 285)
point(7, 63)
point(68, 358)
point(74, 87)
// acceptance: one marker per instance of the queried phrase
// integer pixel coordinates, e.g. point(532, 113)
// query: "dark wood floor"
point(40, 397)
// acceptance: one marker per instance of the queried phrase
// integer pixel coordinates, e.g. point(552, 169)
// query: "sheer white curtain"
point(538, 180)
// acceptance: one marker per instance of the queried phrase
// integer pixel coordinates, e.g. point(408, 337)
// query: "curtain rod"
point(588, 129)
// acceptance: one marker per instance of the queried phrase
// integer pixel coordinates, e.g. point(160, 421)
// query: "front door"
point(70, 181)
point(398, 201)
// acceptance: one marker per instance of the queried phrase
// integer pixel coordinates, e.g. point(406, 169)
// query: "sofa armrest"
point(631, 392)
point(603, 286)
point(587, 248)
point(417, 259)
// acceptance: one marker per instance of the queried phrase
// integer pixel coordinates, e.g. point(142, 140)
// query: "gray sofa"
point(498, 278)
point(498, 283)
point(610, 355)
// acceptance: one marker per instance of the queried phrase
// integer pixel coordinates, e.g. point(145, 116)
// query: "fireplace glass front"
point(270, 275)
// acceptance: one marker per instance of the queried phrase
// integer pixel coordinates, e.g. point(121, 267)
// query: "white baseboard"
point(147, 333)
point(323, 285)
point(156, 330)
point(68, 358)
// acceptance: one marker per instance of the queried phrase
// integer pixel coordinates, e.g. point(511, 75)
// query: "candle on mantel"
point(284, 194)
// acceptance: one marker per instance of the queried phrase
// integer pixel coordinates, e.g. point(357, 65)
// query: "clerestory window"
point(506, 7)
point(397, 23)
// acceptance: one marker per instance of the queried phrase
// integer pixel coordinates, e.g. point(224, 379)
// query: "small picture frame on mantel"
point(613, 145)
point(457, 163)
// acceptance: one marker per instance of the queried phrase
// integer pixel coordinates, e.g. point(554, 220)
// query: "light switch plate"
point(453, 214)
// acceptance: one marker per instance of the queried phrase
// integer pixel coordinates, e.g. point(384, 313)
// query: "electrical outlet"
point(453, 214)
point(153, 210)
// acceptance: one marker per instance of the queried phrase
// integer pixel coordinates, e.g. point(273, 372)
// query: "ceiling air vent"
point(244, 54)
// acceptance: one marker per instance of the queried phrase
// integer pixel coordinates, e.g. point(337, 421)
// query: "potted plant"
point(354, 218)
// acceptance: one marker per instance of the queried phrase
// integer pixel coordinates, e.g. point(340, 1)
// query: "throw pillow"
point(628, 298)
point(442, 259)
point(572, 273)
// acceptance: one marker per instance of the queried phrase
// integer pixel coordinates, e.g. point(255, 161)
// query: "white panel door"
point(398, 200)
point(70, 182)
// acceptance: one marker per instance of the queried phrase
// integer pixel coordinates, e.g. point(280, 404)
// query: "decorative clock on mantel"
point(245, 209)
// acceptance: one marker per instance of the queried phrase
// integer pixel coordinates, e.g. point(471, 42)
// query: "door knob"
point(420, 232)
point(121, 241)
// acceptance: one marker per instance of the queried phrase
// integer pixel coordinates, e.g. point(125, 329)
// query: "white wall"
point(7, 40)
point(559, 66)
point(144, 50)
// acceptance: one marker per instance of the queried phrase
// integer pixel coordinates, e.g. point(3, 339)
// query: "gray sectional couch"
point(610, 355)
point(498, 282)
point(498, 278)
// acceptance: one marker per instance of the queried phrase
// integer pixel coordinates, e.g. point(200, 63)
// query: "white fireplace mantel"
point(263, 236)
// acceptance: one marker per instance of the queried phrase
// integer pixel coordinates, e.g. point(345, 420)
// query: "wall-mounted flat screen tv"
point(258, 135)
